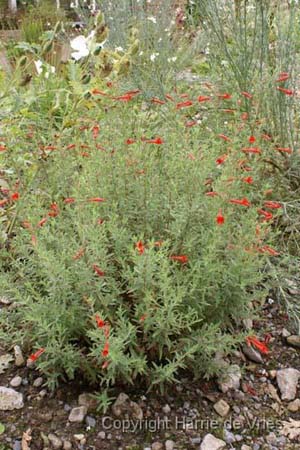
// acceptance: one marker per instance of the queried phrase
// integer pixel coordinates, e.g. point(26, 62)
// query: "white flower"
point(152, 19)
point(173, 59)
point(43, 68)
point(153, 56)
point(83, 46)
point(119, 49)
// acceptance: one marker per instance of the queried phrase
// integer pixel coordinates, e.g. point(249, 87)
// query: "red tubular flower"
point(96, 199)
point(184, 104)
point(98, 271)
point(270, 250)
point(79, 254)
point(229, 111)
point(156, 141)
point(283, 76)
point(224, 96)
point(15, 196)
point(225, 138)
point(183, 259)
point(220, 219)
point(203, 98)
point(105, 350)
point(2, 148)
point(69, 200)
point(98, 92)
point(158, 101)
point(100, 322)
point(191, 123)
point(191, 156)
point(242, 202)
point(252, 139)
point(285, 91)
point(42, 222)
point(261, 346)
point(169, 97)
point(95, 131)
point(284, 150)
point(54, 210)
point(221, 159)
point(34, 240)
point(130, 141)
point(266, 137)
point(70, 146)
point(124, 98)
point(140, 247)
point(36, 355)
point(254, 150)
point(248, 180)
point(106, 330)
point(211, 194)
point(246, 94)
point(272, 205)
point(143, 317)
point(3, 202)
point(158, 243)
point(267, 215)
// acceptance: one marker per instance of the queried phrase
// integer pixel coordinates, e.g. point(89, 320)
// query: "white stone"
point(222, 408)
point(16, 381)
point(287, 380)
point(10, 399)
point(78, 414)
point(210, 442)
point(231, 379)
point(169, 445)
point(19, 358)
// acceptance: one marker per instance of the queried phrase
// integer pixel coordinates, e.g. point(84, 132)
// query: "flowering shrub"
point(137, 234)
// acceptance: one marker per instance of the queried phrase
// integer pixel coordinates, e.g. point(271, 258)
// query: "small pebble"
point(55, 441)
point(90, 421)
point(166, 409)
point(19, 358)
point(169, 445)
point(38, 382)
point(67, 445)
point(16, 382)
point(101, 435)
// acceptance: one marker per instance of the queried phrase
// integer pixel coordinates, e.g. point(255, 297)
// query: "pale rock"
point(169, 445)
point(124, 406)
point(5, 361)
point(210, 442)
point(294, 406)
point(88, 401)
point(222, 408)
point(231, 379)
point(38, 382)
point(77, 414)
point(79, 437)
point(19, 358)
point(285, 333)
point(16, 381)
point(55, 441)
point(293, 340)
point(10, 399)
point(157, 446)
point(67, 445)
point(287, 380)
point(166, 409)
point(252, 354)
